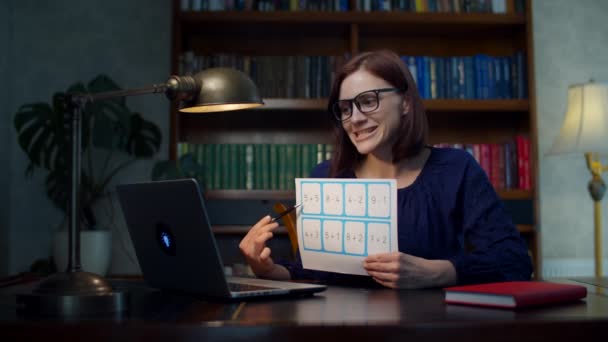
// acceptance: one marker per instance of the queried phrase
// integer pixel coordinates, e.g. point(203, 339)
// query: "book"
point(514, 294)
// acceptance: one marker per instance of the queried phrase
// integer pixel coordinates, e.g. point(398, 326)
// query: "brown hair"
point(414, 127)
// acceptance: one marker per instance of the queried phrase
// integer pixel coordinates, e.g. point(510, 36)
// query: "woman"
point(452, 227)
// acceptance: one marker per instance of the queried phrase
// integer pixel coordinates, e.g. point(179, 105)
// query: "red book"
point(485, 159)
point(520, 162)
point(523, 162)
point(514, 294)
point(526, 142)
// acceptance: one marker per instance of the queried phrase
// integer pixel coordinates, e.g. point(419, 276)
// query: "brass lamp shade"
point(222, 89)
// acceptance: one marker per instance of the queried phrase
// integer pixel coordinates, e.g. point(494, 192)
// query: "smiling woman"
point(452, 227)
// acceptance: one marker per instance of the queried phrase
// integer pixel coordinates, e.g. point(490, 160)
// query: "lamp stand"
point(597, 188)
point(75, 292)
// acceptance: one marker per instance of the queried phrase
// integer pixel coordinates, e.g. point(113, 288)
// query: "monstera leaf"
point(113, 137)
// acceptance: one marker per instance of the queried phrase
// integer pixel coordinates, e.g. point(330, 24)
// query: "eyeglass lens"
point(366, 102)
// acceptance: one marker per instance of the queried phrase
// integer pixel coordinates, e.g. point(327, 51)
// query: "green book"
point(233, 166)
point(265, 167)
point(274, 167)
point(249, 166)
point(208, 163)
point(258, 151)
point(218, 166)
point(290, 166)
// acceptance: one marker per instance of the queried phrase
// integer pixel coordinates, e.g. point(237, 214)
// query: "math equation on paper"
point(341, 221)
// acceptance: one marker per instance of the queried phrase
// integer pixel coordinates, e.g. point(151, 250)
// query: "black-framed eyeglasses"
point(367, 101)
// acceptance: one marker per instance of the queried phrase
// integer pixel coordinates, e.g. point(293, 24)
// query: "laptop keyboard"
point(235, 287)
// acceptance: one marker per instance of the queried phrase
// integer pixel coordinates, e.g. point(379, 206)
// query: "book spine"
point(485, 159)
point(520, 162)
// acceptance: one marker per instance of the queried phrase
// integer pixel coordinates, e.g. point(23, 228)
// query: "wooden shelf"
point(515, 194)
point(439, 105)
point(278, 195)
point(526, 228)
point(354, 17)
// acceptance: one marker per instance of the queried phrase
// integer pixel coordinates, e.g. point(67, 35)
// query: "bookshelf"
point(300, 120)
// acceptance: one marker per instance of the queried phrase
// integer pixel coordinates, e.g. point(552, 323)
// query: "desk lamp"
point(76, 292)
point(585, 130)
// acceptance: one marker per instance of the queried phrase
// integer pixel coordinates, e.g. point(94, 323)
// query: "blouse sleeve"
point(493, 249)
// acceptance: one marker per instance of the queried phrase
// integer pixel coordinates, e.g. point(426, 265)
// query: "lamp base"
point(72, 294)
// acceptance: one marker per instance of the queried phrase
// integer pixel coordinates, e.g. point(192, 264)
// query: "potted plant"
point(186, 166)
point(113, 138)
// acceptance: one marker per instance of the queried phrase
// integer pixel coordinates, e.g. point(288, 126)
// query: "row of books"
point(458, 77)
point(507, 165)
point(275, 76)
point(432, 6)
point(255, 166)
point(267, 5)
point(275, 166)
point(470, 77)
point(439, 6)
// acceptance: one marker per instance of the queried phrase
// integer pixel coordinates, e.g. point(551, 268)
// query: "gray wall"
point(5, 120)
point(571, 46)
point(50, 46)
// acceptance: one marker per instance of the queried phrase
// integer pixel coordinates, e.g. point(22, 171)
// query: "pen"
point(287, 211)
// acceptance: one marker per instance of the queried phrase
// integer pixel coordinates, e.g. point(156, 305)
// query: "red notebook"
point(514, 294)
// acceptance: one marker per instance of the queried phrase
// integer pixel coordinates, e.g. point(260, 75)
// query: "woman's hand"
point(404, 271)
point(253, 246)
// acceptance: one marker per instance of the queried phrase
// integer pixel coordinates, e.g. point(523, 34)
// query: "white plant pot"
point(95, 251)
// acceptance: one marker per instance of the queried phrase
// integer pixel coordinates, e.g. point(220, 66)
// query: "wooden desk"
point(339, 314)
point(595, 281)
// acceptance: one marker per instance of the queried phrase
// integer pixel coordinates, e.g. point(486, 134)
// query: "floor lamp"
point(585, 130)
point(76, 292)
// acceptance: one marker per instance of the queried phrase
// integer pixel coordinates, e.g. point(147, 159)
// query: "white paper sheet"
point(343, 220)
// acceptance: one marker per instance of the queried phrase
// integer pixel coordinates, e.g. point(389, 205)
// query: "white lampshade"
point(585, 127)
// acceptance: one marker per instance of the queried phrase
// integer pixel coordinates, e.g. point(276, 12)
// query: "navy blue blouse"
point(450, 212)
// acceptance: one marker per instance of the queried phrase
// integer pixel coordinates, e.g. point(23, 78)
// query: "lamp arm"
point(176, 87)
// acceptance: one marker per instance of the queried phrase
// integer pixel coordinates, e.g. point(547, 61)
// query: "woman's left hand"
point(404, 271)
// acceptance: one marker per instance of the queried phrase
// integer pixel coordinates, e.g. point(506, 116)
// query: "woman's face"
point(373, 132)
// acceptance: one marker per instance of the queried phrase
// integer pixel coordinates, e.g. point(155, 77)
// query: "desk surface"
point(337, 313)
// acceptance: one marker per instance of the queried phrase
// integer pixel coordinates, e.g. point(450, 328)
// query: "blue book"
point(492, 84)
point(478, 80)
point(455, 78)
point(440, 62)
point(522, 89)
point(506, 74)
point(469, 82)
point(420, 74)
point(343, 5)
point(498, 83)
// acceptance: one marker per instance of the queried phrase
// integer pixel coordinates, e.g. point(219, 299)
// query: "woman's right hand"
point(253, 246)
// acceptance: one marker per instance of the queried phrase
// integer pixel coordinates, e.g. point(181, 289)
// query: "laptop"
point(176, 248)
